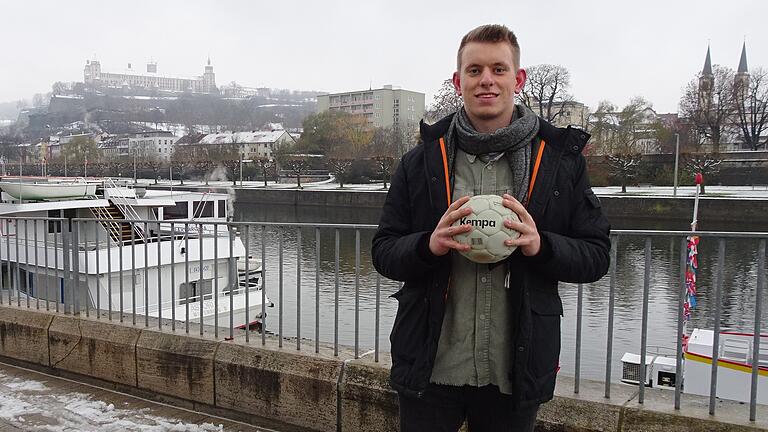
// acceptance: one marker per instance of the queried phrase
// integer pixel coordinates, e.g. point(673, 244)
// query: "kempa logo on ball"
point(478, 223)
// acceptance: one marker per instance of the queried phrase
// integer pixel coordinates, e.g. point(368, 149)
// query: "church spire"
point(743, 60)
point(209, 60)
point(707, 64)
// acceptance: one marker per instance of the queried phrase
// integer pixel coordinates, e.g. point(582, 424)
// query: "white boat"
point(734, 366)
point(164, 266)
point(48, 190)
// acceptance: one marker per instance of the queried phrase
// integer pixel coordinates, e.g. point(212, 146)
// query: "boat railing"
point(326, 291)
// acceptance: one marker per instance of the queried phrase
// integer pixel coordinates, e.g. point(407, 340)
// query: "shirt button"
point(483, 279)
point(521, 348)
point(482, 316)
point(575, 148)
point(557, 193)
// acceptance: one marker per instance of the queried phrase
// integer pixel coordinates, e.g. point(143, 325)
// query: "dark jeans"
point(444, 408)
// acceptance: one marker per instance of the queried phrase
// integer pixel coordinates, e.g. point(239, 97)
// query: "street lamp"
point(677, 158)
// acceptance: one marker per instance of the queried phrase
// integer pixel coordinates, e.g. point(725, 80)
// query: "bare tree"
point(446, 101)
point(154, 164)
point(184, 158)
point(751, 103)
point(339, 166)
point(710, 109)
point(298, 166)
point(384, 165)
point(706, 164)
point(229, 156)
point(265, 165)
point(546, 90)
point(623, 167)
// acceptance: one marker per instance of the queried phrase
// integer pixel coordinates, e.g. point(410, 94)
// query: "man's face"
point(488, 81)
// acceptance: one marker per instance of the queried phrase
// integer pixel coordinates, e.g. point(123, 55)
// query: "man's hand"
point(441, 241)
point(529, 241)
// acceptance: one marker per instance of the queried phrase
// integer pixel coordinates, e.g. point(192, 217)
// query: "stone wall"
point(290, 390)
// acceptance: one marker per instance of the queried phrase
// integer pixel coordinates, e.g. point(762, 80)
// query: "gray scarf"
point(514, 141)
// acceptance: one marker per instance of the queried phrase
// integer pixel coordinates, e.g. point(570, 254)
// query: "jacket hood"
point(432, 132)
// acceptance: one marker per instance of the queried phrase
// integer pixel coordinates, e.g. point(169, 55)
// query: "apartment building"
point(387, 106)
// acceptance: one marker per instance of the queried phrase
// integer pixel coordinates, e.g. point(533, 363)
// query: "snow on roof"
point(62, 96)
point(243, 137)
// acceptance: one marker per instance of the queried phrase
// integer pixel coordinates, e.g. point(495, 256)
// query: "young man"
point(480, 342)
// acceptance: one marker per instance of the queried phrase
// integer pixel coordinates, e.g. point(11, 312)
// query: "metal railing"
point(210, 267)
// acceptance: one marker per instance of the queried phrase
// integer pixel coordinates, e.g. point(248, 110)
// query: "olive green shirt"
point(475, 341)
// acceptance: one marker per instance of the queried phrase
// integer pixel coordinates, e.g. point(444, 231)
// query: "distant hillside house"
point(157, 144)
point(566, 113)
point(115, 147)
point(149, 79)
point(253, 144)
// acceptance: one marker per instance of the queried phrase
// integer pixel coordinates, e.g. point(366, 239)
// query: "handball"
point(488, 231)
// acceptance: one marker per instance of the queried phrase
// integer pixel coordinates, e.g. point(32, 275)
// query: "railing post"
point(716, 336)
point(756, 340)
point(263, 285)
point(298, 288)
point(577, 361)
point(682, 290)
point(611, 304)
point(67, 274)
point(644, 328)
point(76, 267)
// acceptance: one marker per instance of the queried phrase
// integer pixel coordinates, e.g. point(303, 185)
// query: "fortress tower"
point(209, 78)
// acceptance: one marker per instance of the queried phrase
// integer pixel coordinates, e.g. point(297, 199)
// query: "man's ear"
point(520, 78)
point(457, 83)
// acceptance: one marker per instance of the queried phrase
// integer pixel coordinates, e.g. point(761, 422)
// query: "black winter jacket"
point(575, 248)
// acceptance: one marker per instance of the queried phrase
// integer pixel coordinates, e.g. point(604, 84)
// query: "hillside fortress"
point(149, 79)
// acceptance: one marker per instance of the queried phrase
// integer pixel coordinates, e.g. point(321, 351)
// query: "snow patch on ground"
point(31, 404)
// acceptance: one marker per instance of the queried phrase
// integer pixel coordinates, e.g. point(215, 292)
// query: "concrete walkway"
point(31, 400)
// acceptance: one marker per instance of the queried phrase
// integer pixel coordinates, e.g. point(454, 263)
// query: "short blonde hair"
point(490, 33)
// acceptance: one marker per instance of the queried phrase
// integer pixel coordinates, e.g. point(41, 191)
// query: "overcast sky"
point(613, 49)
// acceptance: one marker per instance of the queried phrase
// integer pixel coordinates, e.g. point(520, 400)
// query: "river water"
point(738, 298)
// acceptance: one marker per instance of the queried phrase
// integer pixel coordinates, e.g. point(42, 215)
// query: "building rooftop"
point(242, 137)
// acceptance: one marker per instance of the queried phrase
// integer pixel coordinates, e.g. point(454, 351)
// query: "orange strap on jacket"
point(445, 171)
point(536, 166)
point(535, 172)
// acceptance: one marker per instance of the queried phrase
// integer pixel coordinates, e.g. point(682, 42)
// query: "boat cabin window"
point(54, 226)
point(222, 204)
point(190, 293)
point(203, 209)
point(179, 211)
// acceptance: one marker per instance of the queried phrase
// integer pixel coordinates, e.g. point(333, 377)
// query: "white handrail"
point(112, 227)
point(128, 211)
